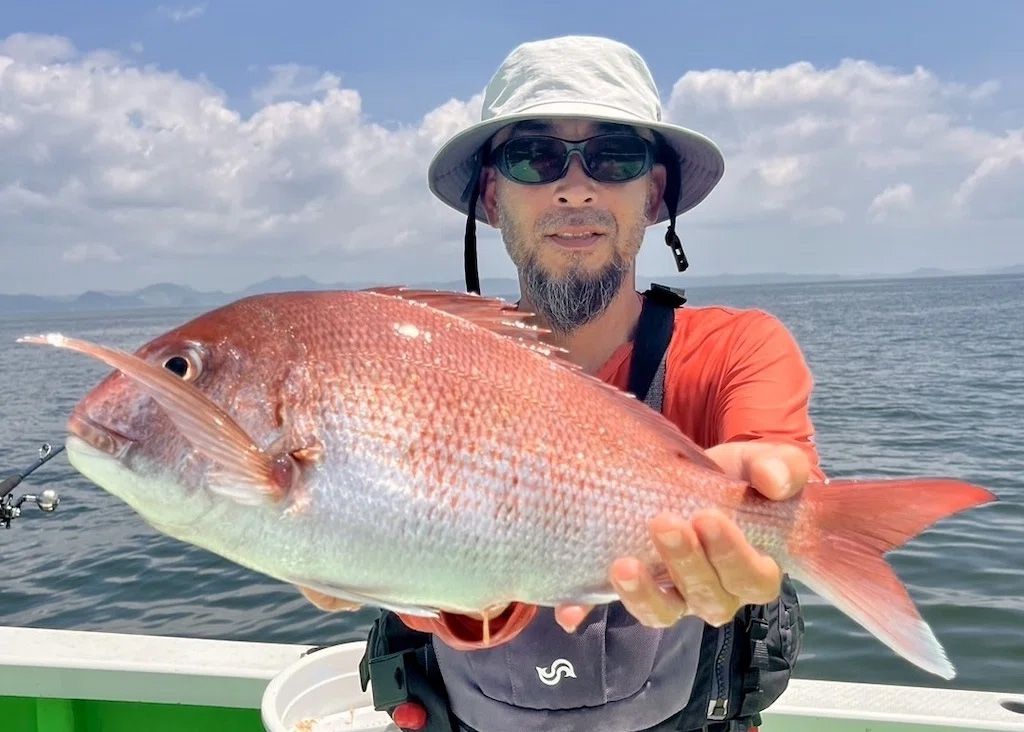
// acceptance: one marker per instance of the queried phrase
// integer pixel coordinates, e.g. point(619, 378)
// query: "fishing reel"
point(47, 501)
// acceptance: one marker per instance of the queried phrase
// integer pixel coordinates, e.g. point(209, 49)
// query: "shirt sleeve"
point(765, 388)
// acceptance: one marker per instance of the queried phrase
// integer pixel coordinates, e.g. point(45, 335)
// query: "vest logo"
point(560, 669)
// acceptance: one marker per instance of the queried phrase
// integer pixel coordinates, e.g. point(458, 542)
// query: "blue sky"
point(412, 60)
point(951, 78)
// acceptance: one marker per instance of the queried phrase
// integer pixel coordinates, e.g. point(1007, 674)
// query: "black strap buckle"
point(390, 680)
point(673, 297)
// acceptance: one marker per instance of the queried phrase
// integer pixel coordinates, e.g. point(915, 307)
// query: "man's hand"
point(714, 569)
point(326, 602)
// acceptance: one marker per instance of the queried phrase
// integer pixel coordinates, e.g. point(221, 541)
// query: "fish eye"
point(185, 365)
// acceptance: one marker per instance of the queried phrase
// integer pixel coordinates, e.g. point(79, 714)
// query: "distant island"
point(169, 295)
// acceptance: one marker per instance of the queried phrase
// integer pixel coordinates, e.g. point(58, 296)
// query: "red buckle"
point(410, 716)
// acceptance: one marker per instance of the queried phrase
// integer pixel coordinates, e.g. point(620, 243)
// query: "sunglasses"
point(538, 159)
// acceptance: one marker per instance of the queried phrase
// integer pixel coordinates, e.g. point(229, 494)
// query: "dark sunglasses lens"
point(533, 159)
point(614, 158)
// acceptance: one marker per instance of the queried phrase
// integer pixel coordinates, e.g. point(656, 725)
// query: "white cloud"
point(893, 201)
point(294, 82)
point(126, 173)
point(158, 165)
point(182, 14)
point(995, 189)
point(800, 139)
point(32, 48)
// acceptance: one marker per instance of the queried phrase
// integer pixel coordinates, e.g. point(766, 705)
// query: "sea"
point(913, 377)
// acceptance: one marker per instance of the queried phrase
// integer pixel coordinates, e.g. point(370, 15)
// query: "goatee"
point(568, 302)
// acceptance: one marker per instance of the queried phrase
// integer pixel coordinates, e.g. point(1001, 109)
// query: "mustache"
point(576, 217)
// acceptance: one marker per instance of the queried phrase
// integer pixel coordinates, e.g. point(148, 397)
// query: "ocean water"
point(913, 377)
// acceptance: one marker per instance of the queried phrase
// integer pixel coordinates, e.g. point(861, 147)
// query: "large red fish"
point(426, 452)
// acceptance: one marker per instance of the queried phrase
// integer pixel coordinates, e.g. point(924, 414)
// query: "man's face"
point(573, 240)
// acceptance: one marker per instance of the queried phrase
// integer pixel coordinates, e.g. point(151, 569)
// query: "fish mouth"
point(98, 436)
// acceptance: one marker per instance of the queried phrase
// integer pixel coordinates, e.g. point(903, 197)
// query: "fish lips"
point(98, 436)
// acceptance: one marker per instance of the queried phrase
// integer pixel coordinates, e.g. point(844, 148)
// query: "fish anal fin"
point(366, 598)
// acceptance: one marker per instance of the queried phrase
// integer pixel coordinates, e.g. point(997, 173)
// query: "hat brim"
point(701, 162)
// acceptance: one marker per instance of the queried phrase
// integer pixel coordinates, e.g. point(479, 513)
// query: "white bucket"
point(321, 693)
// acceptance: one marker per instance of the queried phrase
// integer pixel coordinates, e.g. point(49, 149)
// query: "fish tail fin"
point(848, 526)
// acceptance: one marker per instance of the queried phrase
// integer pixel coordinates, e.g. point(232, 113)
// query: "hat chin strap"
point(469, 254)
point(671, 201)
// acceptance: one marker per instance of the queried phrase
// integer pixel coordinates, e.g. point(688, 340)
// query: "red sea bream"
point(427, 452)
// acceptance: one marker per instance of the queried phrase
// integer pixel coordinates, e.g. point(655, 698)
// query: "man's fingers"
point(742, 571)
point(777, 470)
point(692, 571)
point(570, 616)
point(642, 596)
point(780, 474)
point(327, 603)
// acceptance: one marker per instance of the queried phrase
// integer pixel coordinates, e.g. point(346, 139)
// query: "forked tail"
point(845, 528)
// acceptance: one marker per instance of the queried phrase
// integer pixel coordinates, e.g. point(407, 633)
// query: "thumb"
point(327, 603)
point(570, 616)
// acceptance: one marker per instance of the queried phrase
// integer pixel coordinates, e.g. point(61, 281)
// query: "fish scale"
point(427, 452)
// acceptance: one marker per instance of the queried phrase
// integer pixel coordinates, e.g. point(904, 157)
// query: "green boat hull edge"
point(24, 714)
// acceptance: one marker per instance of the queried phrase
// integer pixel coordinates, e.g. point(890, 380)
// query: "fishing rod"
point(47, 501)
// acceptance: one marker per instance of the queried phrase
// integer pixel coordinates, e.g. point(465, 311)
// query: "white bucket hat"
point(573, 76)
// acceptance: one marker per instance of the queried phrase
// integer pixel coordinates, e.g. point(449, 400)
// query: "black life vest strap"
point(653, 333)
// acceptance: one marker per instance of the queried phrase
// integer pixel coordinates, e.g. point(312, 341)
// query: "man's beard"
point(569, 301)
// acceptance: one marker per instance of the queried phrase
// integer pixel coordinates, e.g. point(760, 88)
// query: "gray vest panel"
point(611, 674)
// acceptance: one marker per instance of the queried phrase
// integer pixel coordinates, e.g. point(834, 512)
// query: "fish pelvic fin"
point(848, 526)
point(245, 473)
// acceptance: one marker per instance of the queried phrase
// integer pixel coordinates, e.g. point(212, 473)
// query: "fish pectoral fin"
point(241, 488)
point(271, 481)
point(345, 593)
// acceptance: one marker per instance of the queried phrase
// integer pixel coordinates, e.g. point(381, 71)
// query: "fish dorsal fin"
point(491, 313)
point(503, 318)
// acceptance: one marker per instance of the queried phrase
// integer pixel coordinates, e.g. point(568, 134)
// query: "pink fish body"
point(427, 452)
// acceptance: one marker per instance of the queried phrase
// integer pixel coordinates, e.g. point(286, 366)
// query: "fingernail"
point(710, 531)
point(673, 538)
point(778, 472)
point(629, 585)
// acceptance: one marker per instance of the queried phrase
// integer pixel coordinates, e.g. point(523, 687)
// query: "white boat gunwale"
point(75, 664)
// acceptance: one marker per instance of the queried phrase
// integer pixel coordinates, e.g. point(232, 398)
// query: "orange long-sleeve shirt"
point(730, 375)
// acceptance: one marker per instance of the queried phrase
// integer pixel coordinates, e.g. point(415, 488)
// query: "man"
point(572, 162)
